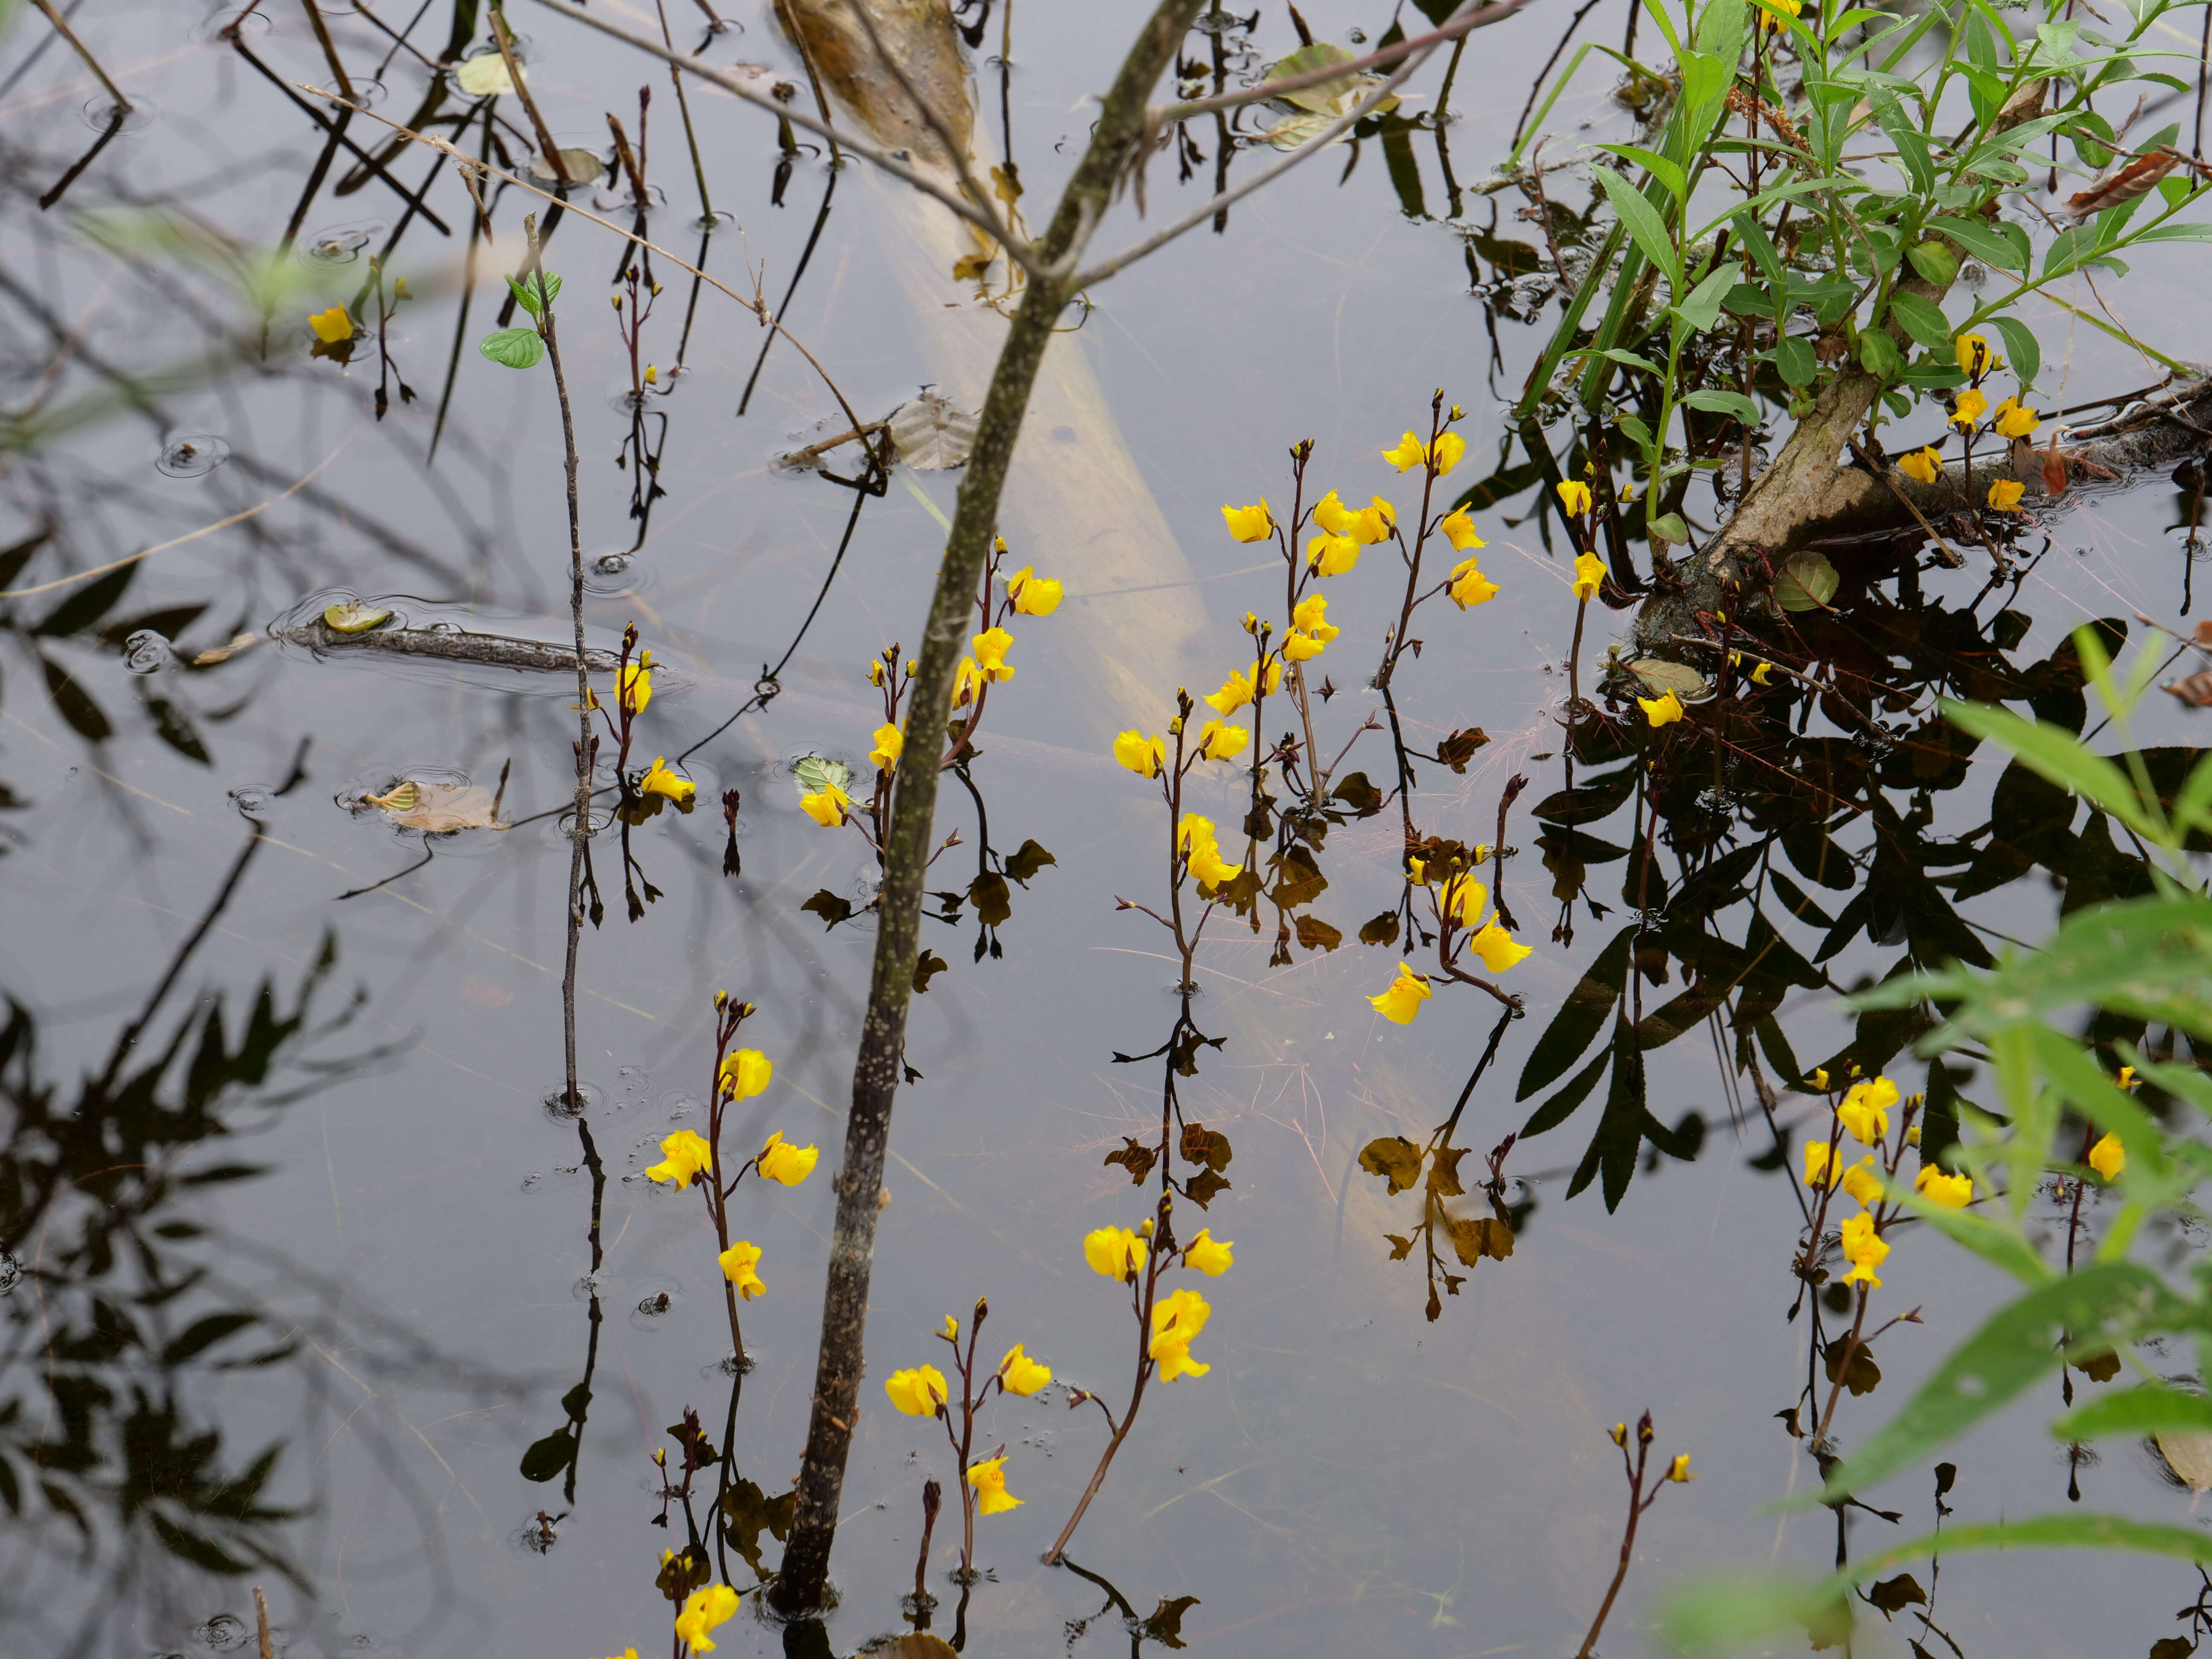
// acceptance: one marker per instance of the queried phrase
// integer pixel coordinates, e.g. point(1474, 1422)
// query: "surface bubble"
point(253, 798)
point(224, 1632)
point(340, 245)
point(193, 455)
point(146, 650)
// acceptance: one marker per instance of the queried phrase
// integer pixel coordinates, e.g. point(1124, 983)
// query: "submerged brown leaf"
point(2195, 691)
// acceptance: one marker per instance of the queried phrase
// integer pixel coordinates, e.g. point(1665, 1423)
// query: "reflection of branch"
point(1462, 24)
point(470, 165)
point(1493, 14)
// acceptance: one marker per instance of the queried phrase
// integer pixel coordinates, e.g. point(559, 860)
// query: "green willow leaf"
point(2147, 1410)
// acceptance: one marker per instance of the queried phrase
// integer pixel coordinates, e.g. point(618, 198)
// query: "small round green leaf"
point(517, 348)
point(1934, 261)
point(1807, 582)
point(354, 617)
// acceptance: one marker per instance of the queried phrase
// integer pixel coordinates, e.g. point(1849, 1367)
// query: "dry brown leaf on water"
point(438, 809)
point(932, 433)
point(2129, 182)
point(2195, 691)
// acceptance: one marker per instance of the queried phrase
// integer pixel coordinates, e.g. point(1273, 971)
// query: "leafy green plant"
point(2138, 964)
point(524, 348)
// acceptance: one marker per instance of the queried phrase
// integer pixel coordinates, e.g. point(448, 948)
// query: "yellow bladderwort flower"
point(876, 672)
point(1971, 405)
point(1923, 465)
point(1822, 1168)
point(1114, 1252)
point(1176, 1321)
point(1575, 496)
point(1662, 709)
point(1619, 1435)
point(1218, 740)
point(1445, 452)
point(950, 1330)
point(1767, 20)
point(1309, 616)
point(1404, 999)
point(1019, 1374)
point(1194, 837)
point(1865, 1111)
point(2108, 1158)
point(2015, 421)
point(1863, 1249)
point(706, 1608)
point(1209, 1254)
point(781, 1162)
point(1820, 1078)
point(1249, 524)
point(890, 743)
point(1333, 515)
point(1469, 586)
point(1679, 1470)
point(967, 683)
point(826, 806)
point(333, 325)
point(1410, 452)
point(919, 1392)
point(1863, 1183)
point(1374, 524)
point(1464, 900)
point(1331, 555)
point(1240, 688)
point(1034, 595)
point(685, 1157)
point(1496, 947)
point(745, 1073)
point(1301, 648)
point(1458, 527)
point(1952, 1192)
point(1416, 870)
point(2127, 1079)
point(989, 1479)
point(634, 685)
point(1590, 575)
point(659, 781)
point(991, 648)
point(737, 1264)
point(1142, 754)
point(2005, 494)
point(1975, 357)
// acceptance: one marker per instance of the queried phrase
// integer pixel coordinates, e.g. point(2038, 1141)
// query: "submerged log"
point(447, 645)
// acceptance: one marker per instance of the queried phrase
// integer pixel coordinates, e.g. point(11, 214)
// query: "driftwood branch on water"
point(1833, 508)
point(446, 645)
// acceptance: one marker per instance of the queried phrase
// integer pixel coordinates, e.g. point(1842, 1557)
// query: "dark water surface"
point(349, 1150)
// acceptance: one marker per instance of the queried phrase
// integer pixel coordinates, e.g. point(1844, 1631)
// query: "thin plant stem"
point(122, 104)
point(545, 144)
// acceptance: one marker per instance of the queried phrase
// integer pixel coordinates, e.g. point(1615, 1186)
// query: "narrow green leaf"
point(1986, 243)
point(1716, 402)
point(1645, 226)
point(2057, 755)
point(2014, 1349)
point(2146, 1410)
point(1702, 308)
point(1667, 172)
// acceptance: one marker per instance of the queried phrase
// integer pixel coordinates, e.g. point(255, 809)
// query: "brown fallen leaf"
point(2055, 477)
point(438, 809)
point(2129, 182)
point(2195, 691)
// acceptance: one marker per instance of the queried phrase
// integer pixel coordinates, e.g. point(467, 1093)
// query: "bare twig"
point(62, 28)
point(551, 149)
point(471, 166)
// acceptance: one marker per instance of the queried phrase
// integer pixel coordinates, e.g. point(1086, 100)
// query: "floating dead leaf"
point(2195, 691)
point(438, 809)
point(1663, 676)
point(224, 652)
point(1332, 98)
point(1483, 1236)
point(2189, 1455)
point(352, 616)
point(484, 76)
point(1136, 1157)
point(917, 1644)
point(2134, 180)
point(584, 168)
point(1458, 748)
point(1394, 1157)
point(1807, 583)
point(1292, 131)
point(932, 433)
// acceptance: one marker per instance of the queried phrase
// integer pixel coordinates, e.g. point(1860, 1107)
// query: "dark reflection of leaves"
point(1894, 1595)
point(747, 1512)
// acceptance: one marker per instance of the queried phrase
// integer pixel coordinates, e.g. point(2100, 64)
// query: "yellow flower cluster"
point(1440, 457)
point(1115, 1252)
point(1240, 689)
point(1464, 900)
point(1863, 1249)
point(1309, 628)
